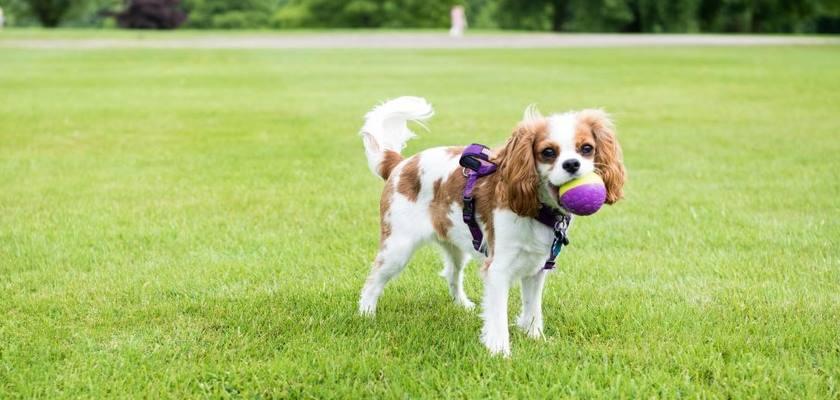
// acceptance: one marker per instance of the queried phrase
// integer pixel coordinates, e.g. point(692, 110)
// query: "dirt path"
point(417, 40)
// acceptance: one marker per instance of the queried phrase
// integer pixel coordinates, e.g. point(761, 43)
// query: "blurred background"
point(654, 16)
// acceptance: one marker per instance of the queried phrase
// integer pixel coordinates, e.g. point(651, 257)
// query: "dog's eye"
point(586, 149)
point(549, 153)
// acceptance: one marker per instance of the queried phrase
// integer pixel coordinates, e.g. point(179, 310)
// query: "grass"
point(199, 224)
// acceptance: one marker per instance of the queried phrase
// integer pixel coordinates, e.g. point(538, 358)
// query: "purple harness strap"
point(476, 162)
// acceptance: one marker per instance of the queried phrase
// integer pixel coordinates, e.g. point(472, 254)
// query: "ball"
point(584, 195)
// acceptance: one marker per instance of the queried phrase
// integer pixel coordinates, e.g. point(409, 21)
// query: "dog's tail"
point(385, 131)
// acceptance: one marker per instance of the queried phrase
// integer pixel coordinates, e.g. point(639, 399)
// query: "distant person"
point(459, 21)
point(1, 18)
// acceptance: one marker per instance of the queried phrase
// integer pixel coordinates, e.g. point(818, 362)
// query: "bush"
point(364, 14)
point(240, 20)
point(349, 14)
point(290, 16)
point(762, 15)
point(667, 15)
point(151, 14)
point(16, 12)
point(226, 14)
point(94, 13)
point(416, 13)
point(481, 14)
point(601, 16)
point(50, 12)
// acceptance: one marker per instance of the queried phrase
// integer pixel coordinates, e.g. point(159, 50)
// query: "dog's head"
point(546, 152)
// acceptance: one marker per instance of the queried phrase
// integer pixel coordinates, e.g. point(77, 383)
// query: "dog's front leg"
point(531, 318)
point(497, 281)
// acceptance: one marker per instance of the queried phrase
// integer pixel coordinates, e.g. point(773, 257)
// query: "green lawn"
point(199, 223)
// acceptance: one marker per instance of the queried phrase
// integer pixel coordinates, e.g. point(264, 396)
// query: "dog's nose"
point(571, 166)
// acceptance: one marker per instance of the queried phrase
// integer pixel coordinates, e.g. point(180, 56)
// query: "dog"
point(422, 202)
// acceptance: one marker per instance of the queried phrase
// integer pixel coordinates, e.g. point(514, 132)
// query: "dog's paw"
point(367, 309)
point(531, 326)
point(497, 346)
point(465, 302)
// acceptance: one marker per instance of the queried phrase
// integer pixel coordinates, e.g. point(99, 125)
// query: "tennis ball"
point(584, 195)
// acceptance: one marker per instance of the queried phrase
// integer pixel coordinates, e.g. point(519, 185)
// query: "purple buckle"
point(469, 209)
point(477, 158)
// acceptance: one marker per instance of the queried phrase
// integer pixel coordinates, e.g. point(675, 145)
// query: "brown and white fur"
point(422, 201)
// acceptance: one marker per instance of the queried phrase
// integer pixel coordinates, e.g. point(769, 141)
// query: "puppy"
point(423, 199)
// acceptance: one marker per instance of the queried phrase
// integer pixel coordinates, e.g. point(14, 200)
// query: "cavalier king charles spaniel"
point(422, 203)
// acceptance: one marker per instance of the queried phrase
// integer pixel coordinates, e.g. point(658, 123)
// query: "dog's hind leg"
point(392, 258)
point(454, 261)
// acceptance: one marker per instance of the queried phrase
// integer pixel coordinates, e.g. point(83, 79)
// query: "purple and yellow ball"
point(584, 195)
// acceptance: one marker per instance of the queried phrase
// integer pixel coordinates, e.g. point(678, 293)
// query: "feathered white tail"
point(386, 128)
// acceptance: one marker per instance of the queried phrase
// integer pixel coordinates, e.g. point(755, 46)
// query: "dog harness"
point(476, 162)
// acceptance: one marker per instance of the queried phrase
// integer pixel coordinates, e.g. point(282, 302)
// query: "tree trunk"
point(561, 8)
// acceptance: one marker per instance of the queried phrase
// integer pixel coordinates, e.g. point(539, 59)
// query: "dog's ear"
point(518, 170)
point(608, 159)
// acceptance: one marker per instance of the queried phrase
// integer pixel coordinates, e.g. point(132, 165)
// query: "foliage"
point(524, 14)
point(15, 12)
point(762, 16)
point(664, 16)
point(352, 13)
point(482, 13)
point(600, 16)
point(151, 14)
point(428, 13)
point(293, 15)
point(226, 14)
point(49, 12)
point(365, 13)
point(90, 13)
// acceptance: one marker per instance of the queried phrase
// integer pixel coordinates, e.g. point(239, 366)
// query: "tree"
point(50, 12)
point(600, 16)
point(761, 15)
point(564, 15)
point(559, 14)
point(228, 14)
point(525, 14)
point(663, 16)
point(151, 14)
point(365, 13)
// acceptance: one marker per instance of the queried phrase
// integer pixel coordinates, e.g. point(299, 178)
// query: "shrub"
point(416, 13)
point(49, 12)
point(240, 20)
point(226, 14)
point(151, 14)
point(290, 16)
point(364, 13)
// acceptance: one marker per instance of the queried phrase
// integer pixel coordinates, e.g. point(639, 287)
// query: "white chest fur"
point(525, 240)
